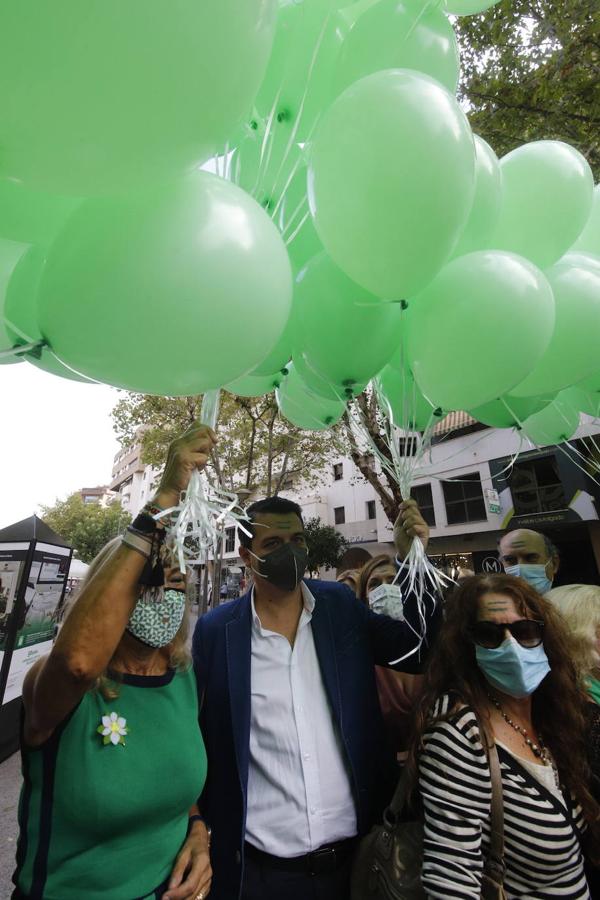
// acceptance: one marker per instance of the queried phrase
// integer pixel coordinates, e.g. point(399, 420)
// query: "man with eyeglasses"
point(530, 555)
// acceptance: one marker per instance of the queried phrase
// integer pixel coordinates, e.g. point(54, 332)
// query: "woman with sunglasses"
point(504, 674)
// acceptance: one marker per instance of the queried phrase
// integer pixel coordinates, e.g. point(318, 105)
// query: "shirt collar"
point(308, 601)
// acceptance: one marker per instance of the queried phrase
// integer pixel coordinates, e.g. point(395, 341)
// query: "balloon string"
point(298, 229)
point(22, 349)
point(298, 211)
point(296, 126)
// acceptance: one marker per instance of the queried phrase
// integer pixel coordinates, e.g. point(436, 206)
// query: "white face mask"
point(386, 600)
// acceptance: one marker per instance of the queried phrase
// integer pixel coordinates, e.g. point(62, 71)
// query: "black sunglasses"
point(528, 632)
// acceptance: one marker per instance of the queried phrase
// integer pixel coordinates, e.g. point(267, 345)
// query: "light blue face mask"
point(515, 670)
point(534, 574)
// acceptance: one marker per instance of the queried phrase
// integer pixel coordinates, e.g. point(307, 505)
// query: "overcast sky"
point(56, 436)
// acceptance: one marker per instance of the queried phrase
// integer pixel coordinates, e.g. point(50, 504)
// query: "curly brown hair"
point(558, 704)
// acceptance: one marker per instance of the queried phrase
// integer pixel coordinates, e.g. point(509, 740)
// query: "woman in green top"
point(113, 758)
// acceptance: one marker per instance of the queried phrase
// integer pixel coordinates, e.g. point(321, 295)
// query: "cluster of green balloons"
point(353, 230)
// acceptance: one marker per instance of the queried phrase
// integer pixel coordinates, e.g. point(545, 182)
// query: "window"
point(371, 510)
point(229, 540)
point(338, 471)
point(339, 515)
point(422, 494)
point(536, 486)
point(464, 499)
point(407, 446)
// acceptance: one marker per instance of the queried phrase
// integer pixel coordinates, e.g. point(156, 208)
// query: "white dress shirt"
point(299, 793)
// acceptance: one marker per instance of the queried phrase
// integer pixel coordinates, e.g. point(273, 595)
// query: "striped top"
point(542, 852)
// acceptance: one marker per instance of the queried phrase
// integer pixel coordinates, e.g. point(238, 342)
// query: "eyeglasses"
point(528, 632)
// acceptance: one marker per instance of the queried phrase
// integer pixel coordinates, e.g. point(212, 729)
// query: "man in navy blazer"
point(298, 763)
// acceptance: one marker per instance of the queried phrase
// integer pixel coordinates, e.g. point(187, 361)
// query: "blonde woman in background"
point(113, 758)
point(580, 608)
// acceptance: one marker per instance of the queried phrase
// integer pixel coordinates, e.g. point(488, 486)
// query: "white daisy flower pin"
point(113, 729)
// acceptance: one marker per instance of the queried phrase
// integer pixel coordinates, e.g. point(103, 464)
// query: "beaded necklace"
point(538, 750)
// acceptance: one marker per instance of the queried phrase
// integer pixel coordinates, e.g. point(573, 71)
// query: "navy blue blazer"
point(349, 641)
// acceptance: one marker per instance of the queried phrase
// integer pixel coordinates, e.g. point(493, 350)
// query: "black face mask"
point(284, 567)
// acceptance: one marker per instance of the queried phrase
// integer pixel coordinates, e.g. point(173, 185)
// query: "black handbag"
point(389, 860)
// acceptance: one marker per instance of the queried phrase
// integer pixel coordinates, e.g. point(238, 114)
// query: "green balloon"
point(556, 423)
point(195, 273)
point(486, 202)
point(254, 385)
point(591, 384)
point(303, 408)
point(346, 333)
point(589, 239)
point(409, 408)
point(33, 217)
point(391, 180)
point(468, 7)
point(572, 354)
point(547, 199)
point(101, 95)
point(10, 254)
point(478, 328)
point(400, 34)
point(297, 83)
point(319, 385)
point(587, 402)
point(21, 314)
point(509, 411)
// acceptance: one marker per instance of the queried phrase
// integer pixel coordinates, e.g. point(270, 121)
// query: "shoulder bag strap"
point(494, 866)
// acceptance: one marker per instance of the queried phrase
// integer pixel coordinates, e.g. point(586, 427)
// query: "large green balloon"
point(509, 411)
point(33, 217)
point(297, 83)
point(587, 402)
point(468, 7)
point(102, 94)
point(591, 383)
point(589, 239)
point(173, 291)
point(486, 202)
point(410, 410)
point(547, 199)
point(391, 180)
point(304, 409)
point(346, 333)
point(556, 423)
point(317, 384)
point(10, 254)
point(254, 385)
point(478, 328)
point(400, 34)
point(21, 313)
point(573, 352)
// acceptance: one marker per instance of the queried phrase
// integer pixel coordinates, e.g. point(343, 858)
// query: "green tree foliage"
point(531, 71)
point(87, 527)
point(326, 546)
point(257, 447)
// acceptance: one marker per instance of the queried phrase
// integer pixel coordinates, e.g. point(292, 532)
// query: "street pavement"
point(10, 785)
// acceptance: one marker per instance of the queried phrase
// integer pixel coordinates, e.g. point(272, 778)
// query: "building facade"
point(473, 485)
point(133, 481)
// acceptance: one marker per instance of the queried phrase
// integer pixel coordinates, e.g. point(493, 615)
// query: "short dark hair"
point(275, 506)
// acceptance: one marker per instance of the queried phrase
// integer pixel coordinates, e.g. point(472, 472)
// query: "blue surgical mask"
point(515, 670)
point(534, 574)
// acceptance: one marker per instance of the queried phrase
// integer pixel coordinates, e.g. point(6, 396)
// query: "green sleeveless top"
point(105, 820)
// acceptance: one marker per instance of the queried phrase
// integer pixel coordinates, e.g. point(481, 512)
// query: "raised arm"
point(91, 633)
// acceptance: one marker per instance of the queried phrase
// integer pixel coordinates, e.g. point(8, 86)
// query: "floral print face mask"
point(157, 616)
